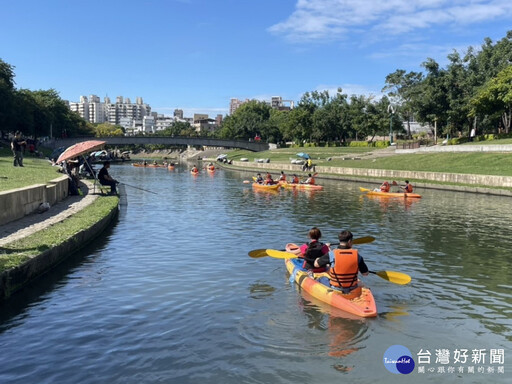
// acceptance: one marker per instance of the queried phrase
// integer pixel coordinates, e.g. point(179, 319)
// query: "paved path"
point(35, 222)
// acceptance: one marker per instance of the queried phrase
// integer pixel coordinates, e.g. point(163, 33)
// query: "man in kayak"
point(310, 180)
point(295, 179)
point(259, 179)
point(194, 169)
point(347, 264)
point(407, 188)
point(314, 251)
point(282, 177)
point(385, 187)
point(269, 180)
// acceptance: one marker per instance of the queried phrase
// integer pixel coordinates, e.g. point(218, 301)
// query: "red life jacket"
point(344, 272)
point(408, 188)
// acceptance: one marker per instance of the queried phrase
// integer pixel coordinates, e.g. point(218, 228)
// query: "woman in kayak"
point(407, 188)
point(259, 179)
point(347, 264)
point(295, 179)
point(313, 251)
point(269, 180)
point(282, 177)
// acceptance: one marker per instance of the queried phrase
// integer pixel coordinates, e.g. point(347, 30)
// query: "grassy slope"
point(17, 252)
point(468, 163)
point(35, 171)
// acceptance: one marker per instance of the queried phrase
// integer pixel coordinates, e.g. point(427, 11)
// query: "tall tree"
point(403, 89)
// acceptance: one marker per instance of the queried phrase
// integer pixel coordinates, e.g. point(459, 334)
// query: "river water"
point(169, 294)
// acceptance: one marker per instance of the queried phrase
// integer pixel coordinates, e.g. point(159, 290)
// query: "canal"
point(169, 294)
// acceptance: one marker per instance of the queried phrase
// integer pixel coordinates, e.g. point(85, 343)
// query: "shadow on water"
point(36, 291)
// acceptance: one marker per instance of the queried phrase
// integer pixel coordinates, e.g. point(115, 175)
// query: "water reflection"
point(171, 295)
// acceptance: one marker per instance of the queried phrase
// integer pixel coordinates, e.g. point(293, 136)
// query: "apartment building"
point(95, 111)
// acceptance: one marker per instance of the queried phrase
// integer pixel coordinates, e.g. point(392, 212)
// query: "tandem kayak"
point(312, 187)
point(371, 192)
point(266, 187)
point(360, 302)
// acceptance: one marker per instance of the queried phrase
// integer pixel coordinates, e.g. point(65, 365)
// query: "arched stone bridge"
point(177, 140)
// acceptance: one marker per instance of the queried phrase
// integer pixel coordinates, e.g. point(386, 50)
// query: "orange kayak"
point(360, 302)
point(313, 187)
point(266, 187)
point(403, 195)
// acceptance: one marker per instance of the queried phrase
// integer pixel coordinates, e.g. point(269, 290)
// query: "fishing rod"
point(142, 189)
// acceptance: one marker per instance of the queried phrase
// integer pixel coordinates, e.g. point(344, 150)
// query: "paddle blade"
point(394, 277)
point(363, 240)
point(280, 254)
point(258, 253)
point(364, 189)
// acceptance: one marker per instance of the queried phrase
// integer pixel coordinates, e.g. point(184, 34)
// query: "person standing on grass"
point(16, 147)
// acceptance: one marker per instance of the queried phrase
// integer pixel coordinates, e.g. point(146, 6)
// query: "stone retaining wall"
point(383, 174)
point(16, 203)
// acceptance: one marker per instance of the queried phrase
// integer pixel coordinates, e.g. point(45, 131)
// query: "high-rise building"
point(94, 111)
point(235, 104)
point(178, 113)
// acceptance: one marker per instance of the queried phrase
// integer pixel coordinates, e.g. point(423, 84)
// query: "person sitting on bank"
point(315, 253)
point(105, 179)
point(347, 264)
point(407, 188)
point(310, 180)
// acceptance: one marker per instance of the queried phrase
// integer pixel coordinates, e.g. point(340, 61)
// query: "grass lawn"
point(18, 252)
point(480, 163)
point(35, 171)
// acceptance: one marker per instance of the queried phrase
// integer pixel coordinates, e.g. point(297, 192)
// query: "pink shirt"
point(304, 248)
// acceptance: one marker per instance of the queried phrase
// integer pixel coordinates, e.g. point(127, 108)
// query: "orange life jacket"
point(295, 180)
point(344, 272)
point(385, 187)
point(408, 188)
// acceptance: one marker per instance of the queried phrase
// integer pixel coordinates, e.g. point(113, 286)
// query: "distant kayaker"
point(259, 179)
point(385, 187)
point(282, 177)
point(315, 251)
point(310, 180)
point(268, 179)
point(347, 264)
point(194, 169)
point(295, 179)
point(407, 188)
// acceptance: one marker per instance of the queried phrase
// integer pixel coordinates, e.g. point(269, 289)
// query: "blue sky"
point(197, 54)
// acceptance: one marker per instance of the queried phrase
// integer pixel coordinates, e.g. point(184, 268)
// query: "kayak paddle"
point(394, 277)
point(258, 253)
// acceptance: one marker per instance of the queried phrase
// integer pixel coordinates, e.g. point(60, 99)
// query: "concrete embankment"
point(13, 279)
point(454, 181)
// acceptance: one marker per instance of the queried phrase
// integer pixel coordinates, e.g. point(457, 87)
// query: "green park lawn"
point(35, 171)
point(481, 163)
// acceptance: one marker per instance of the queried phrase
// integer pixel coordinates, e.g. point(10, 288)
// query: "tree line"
point(474, 90)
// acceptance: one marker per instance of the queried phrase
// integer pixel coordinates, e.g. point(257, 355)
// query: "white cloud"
point(341, 19)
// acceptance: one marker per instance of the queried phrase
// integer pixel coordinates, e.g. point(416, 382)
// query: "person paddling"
point(347, 264)
point(295, 179)
point(314, 251)
point(407, 188)
point(310, 180)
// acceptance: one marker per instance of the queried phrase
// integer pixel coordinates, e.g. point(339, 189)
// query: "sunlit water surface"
point(169, 294)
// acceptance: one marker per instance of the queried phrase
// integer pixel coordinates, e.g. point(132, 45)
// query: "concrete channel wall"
point(382, 174)
point(16, 278)
point(16, 203)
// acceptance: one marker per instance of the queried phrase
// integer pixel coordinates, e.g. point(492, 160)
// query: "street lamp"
point(391, 111)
